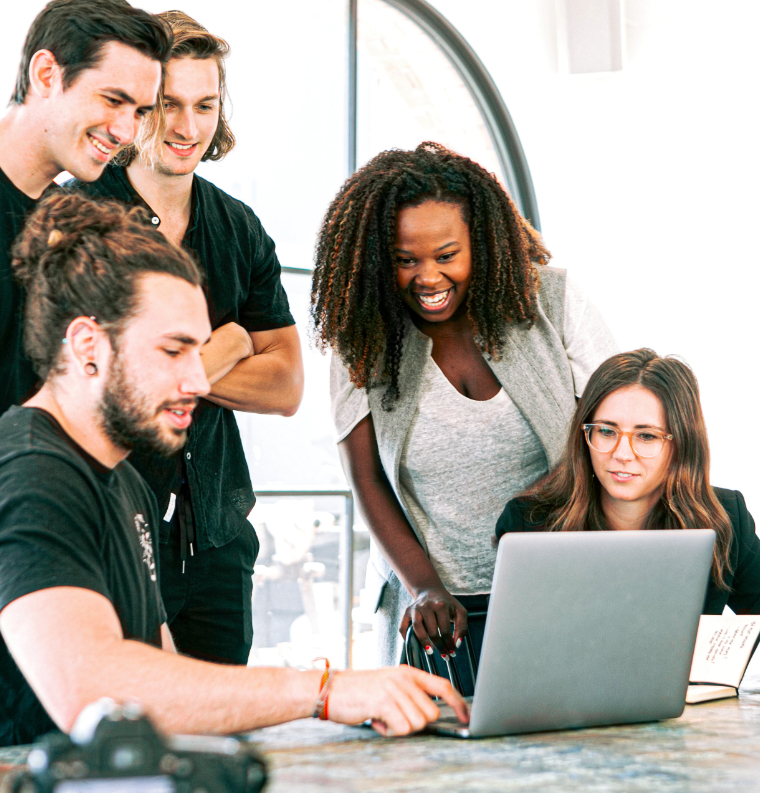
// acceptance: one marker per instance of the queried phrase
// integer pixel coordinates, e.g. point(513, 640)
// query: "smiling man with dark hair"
point(90, 71)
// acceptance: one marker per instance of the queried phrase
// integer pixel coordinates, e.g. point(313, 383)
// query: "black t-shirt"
point(242, 285)
point(17, 377)
point(744, 578)
point(66, 520)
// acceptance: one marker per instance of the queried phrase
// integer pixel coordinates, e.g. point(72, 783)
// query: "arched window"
point(409, 77)
point(417, 79)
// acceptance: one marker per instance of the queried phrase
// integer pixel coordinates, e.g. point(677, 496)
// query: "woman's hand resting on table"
point(431, 615)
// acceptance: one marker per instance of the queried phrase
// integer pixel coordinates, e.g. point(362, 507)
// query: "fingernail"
point(428, 649)
point(444, 656)
point(459, 643)
point(452, 655)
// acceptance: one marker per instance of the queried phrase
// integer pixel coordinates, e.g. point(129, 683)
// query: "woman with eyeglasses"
point(637, 457)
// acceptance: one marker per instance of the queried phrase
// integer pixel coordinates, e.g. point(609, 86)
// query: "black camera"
point(116, 749)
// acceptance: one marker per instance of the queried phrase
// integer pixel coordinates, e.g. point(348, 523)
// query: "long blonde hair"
point(191, 40)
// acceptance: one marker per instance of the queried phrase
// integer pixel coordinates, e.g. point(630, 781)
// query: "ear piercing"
point(91, 368)
point(94, 319)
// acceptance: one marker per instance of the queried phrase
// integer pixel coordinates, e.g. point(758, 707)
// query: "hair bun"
point(62, 220)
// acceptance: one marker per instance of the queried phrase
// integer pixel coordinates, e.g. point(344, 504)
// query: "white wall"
point(647, 184)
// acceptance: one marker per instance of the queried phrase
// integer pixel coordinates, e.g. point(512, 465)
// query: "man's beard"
point(129, 421)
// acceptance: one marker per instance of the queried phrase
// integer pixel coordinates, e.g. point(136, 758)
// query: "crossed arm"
point(259, 372)
point(69, 646)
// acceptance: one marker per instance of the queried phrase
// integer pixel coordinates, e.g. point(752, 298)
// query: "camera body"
point(115, 749)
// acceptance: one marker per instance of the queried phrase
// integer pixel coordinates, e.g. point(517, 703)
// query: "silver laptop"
point(586, 629)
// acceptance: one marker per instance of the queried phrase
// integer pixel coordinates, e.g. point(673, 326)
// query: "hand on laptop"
point(431, 615)
point(396, 699)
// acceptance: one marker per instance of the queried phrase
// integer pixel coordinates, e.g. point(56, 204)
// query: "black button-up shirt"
point(17, 378)
point(242, 285)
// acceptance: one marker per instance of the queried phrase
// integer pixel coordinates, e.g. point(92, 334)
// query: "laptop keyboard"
point(447, 713)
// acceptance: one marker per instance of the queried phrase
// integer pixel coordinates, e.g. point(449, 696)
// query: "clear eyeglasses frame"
point(606, 439)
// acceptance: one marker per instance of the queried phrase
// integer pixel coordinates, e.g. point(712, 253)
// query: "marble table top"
point(713, 747)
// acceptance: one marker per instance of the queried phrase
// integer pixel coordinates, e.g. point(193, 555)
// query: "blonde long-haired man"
point(253, 361)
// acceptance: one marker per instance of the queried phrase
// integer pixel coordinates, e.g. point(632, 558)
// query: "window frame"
point(479, 83)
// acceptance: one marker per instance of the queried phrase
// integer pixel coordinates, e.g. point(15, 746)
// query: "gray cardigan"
point(533, 369)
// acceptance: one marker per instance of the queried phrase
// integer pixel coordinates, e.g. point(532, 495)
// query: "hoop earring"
point(91, 368)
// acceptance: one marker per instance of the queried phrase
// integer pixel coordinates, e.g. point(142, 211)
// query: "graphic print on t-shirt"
point(143, 532)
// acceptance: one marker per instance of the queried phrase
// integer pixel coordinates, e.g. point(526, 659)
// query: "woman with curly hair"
point(457, 355)
point(637, 457)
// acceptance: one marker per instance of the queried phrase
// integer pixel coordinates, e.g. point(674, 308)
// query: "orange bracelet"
point(321, 708)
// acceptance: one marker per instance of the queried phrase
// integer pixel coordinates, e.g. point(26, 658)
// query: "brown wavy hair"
point(191, 40)
point(355, 305)
point(568, 498)
point(78, 257)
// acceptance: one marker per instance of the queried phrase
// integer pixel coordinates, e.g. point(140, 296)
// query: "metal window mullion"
point(353, 89)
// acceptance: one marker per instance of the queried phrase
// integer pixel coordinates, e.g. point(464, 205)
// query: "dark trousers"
point(208, 606)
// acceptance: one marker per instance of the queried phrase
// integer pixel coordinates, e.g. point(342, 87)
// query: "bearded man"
point(115, 323)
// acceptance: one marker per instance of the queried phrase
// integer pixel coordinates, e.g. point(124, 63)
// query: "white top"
point(461, 463)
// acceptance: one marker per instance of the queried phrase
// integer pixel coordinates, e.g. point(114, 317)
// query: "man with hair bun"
point(89, 72)
point(253, 361)
point(115, 321)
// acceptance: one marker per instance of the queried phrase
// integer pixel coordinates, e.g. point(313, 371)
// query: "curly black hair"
point(355, 304)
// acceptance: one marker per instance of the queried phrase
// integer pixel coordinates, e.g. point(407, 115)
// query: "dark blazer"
point(744, 578)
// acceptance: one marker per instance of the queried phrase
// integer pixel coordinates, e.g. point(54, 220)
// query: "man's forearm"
point(71, 660)
point(260, 384)
point(270, 381)
point(189, 696)
point(181, 694)
point(186, 695)
point(228, 345)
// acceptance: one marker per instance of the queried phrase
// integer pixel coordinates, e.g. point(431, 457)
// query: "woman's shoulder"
point(746, 540)
point(552, 277)
point(348, 404)
point(732, 501)
point(551, 294)
point(516, 517)
point(736, 508)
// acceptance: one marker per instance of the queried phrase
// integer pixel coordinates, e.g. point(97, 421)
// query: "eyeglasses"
point(644, 443)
